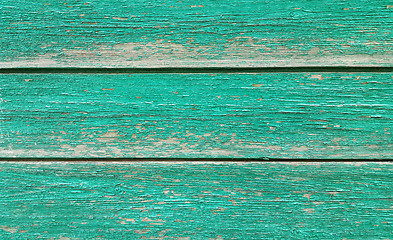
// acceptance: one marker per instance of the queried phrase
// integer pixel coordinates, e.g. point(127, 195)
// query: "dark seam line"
point(65, 159)
point(186, 70)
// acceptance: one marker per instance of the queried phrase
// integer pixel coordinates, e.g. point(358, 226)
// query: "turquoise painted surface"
point(302, 115)
point(172, 33)
point(196, 201)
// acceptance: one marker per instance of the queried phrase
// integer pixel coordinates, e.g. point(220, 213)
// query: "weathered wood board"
point(196, 201)
point(139, 33)
point(298, 115)
point(282, 115)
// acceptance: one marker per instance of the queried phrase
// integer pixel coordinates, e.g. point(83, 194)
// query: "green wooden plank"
point(282, 115)
point(196, 201)
point(140, 33)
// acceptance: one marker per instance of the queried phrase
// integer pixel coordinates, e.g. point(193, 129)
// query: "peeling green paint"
point(282, 115)
point(171, 32)
point(196, 201)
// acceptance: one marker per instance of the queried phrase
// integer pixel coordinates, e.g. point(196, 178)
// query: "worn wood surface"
point(196, 201)
point(282, 115)
point(139, 33)
point(277, 115)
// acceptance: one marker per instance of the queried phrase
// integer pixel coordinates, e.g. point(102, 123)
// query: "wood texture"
point(276, 115)
point(139, 33)
point(300, 115)
point(196, 201)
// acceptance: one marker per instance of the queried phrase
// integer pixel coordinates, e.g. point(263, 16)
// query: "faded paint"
point(180, 115)
point(185, 200)
point(173, 33)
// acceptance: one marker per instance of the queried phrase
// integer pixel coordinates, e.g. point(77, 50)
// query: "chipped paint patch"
point(9, 229)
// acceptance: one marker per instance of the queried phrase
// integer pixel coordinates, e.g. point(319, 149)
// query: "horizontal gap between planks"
point(185, 70)
point(187, 160)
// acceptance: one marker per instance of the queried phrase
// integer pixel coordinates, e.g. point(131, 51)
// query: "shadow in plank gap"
point(185, 70)
point(189, 160)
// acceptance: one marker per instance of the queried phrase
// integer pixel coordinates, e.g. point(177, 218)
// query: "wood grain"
point(165, 33)
point(283, 115)
point(196, 201)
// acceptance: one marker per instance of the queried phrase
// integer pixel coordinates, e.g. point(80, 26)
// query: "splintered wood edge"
point(382, 60)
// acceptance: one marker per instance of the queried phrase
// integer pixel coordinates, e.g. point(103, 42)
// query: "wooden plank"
point(164, 33)
point(196, 201)
point(282, 115)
